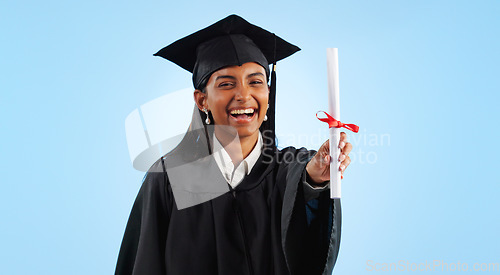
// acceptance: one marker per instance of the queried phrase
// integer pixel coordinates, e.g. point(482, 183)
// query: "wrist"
point(314, 183)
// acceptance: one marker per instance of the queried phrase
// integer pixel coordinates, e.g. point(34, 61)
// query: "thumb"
point(324, 153)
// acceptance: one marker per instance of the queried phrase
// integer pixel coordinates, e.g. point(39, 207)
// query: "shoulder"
point(155, 183)
point(156, 173)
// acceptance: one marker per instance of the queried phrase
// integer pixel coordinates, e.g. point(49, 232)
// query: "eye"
point(225, 85)
point(256, 82)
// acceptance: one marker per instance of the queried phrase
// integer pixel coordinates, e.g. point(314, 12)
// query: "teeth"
point(242, 111)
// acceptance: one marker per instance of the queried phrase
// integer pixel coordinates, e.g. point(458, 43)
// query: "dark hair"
point(203, 84)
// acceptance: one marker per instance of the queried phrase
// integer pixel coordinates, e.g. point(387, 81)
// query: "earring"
point(207, 121)
point(265, 117)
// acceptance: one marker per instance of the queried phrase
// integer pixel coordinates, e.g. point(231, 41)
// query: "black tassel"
point(268, 129)
point(272, 106)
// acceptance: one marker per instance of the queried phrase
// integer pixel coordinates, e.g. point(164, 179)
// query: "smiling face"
point(237, 96)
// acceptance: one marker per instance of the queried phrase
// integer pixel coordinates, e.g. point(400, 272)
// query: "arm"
point(310, 229)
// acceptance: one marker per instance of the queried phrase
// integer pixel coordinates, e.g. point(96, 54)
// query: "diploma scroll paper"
point(334, 110)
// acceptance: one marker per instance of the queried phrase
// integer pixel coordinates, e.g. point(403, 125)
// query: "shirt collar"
point(225, 163)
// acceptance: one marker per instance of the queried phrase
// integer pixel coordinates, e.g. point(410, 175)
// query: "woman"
point(226, 201)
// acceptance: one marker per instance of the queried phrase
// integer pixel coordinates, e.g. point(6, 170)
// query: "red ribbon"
point(333, 123)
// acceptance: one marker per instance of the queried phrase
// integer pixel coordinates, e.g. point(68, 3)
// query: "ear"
point(200, 98)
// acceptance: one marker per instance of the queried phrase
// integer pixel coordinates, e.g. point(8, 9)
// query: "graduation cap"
point(229, 42)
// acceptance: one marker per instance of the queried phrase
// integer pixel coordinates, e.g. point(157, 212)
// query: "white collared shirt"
point(234, 175)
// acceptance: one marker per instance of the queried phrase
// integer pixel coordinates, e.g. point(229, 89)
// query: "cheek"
point(218, 110)
point(218, 105)
point(263, 100)
point(216, 101)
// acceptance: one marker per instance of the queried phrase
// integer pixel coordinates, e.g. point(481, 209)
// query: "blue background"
point(419, 77)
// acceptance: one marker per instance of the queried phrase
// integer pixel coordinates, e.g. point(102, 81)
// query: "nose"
point(243, 93)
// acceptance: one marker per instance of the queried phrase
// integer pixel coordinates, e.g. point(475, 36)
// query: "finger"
point(343, 140)
point(347, 148)
point(327, 159)
point(323, 160)
point(323, 154)
point(342, 157)
point(325, 147)
point(343, 136)
point(345, 163)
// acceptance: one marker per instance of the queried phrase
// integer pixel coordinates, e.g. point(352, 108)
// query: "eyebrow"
point(232, 77)
point(225, 76)
point(255, 74)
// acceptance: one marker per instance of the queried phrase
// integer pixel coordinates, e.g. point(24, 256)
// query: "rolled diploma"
point(332, 63)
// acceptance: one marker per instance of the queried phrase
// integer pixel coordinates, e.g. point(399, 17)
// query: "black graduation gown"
point(264, 226)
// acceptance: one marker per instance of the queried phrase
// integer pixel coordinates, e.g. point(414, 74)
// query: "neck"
point(237, 149)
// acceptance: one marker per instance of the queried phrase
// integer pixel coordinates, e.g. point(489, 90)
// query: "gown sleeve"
point(142, 249)
point(310, 227)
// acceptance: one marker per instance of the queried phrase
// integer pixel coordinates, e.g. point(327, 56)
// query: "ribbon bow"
point(333, 123)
